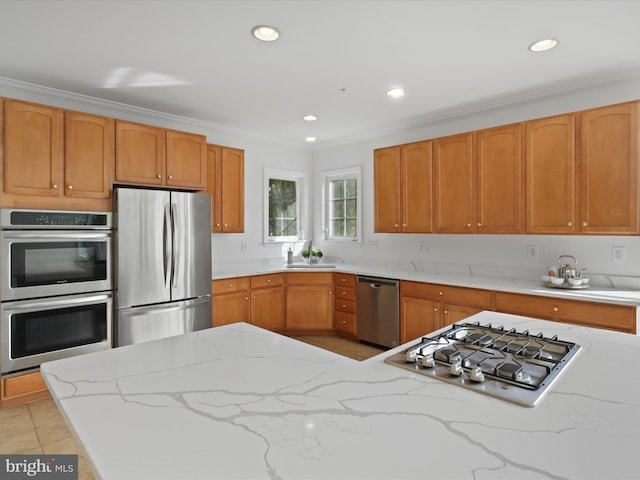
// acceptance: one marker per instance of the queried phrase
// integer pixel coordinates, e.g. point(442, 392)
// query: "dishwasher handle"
point(378, 282)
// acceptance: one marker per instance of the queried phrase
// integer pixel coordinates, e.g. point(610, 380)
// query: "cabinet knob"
point(569, 224)
point(478, 224)
point(435, 309)
point(344, 306)
point(230, 285)
point(555, 309)
point(446, 312)
point(395, 225)
point(440, 292)
point(54, 186)
point(268, 280)
point(404, 224)
point(225, 224)
point(170, 177)
point(468, 225)
point(254, 297)
point(344, 280)
point(217, 224)
point(329, 292)
point(584, 224)
point(344, 321)
point(70, 187)
point(159, 176)
point(247, 298)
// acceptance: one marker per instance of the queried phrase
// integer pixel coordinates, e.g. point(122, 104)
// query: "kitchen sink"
point(313, 265)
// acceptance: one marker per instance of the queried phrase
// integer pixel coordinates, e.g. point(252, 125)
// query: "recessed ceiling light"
point(310, 118)
point(266, 33)
point(396, 92)
point(543, 45)
point(310, 139)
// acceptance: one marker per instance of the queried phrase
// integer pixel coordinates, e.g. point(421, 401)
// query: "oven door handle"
point(57, 236)
point(31, 305)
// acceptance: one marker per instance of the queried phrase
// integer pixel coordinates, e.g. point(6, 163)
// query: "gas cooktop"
point(514, 366)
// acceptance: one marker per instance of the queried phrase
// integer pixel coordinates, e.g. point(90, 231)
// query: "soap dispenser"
point(289, 256)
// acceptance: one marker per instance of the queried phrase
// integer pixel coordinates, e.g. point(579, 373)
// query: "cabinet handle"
point(70, 187)
point(159, 176)
point(54, 186)
point(555, 309)
point(569, 224)
point(584, 224)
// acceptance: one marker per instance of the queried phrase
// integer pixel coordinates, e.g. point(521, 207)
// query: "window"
point(341, 192)
point(283, 202)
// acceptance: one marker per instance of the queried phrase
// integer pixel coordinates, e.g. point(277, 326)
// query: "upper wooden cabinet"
point(403, 188)
point(155, 156)
point(550, 175)
point(56, 158)
point(33, 149)
point(608, 169)
point(498, 177)
point(88, 155)
point(453, 159)
point(225, 183)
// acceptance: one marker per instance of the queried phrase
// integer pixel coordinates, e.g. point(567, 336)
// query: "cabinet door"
point(418, 317)
point(309, 307)
point(232, 186)
point(140, 154)
point(454, 183)
point(230, 308)
point(32, 149)
point(214, 182)
point(456, 313)
point(550, 196)
point(386, 188)
point(417, 198)
point(267, 308)
point(608, 169)
point(88, 155)
point(186, 160)
point(498, 177)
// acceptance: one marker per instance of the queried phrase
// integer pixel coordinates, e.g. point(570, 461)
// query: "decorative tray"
point(565, 286)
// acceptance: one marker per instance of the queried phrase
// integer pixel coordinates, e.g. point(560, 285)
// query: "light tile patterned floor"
point(39, 428)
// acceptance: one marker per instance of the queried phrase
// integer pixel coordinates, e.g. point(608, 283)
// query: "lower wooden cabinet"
point(20, 389)
point(426, 307)
point(344, 320)
point(258, 300)
point(621, 318)
point(310, 301)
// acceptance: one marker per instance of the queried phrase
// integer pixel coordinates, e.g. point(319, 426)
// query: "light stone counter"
point(603, 287)
point(239, 402)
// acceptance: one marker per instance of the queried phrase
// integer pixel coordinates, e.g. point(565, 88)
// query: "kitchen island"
point(239, 402)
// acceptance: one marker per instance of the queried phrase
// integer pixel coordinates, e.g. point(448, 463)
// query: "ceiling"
point(334, 59)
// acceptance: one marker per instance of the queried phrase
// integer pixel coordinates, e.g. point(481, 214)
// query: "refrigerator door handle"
point(167, 245)
point(175, 246)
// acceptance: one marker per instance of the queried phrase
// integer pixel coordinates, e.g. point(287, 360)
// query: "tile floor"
point(39, 428)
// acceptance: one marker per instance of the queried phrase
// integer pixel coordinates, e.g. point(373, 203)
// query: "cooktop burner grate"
point(506, 364)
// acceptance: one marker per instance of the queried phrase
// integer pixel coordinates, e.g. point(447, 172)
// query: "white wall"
point(592, 252)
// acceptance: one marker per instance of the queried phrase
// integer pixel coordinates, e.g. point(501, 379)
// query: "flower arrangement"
point(316, 253)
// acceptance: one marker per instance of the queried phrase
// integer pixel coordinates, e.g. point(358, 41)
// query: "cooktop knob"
point(456, 369)
point(428, 361)
point(411, 356)
point(476, 375)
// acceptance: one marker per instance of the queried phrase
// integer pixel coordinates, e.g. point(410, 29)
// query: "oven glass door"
point(55, 263)
point(37, 331)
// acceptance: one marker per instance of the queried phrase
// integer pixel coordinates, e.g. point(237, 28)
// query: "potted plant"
point(316, 254)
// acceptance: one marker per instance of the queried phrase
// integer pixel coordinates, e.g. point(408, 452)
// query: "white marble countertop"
point(603, 288)
point(239, 402)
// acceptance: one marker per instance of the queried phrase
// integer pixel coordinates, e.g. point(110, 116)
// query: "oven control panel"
point(54, 219)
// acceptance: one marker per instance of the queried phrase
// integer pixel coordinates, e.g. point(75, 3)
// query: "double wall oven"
point(55, 286)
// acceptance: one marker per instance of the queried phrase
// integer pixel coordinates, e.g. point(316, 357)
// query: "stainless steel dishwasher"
point(378, 311)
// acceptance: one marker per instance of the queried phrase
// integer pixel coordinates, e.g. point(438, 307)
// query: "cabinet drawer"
point(22, 385)
point(229, 285)
point(345, 293)
point(310, 278)
point(472, 297)
point(264, 281)
point(345, 322)
point(346, 306)
point(344, 280)
point(614, 317)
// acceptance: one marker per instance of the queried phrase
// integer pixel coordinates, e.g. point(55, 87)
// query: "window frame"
point(300, 180)
point(341, 174)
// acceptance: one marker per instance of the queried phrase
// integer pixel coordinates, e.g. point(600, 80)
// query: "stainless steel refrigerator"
point(163, 264)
